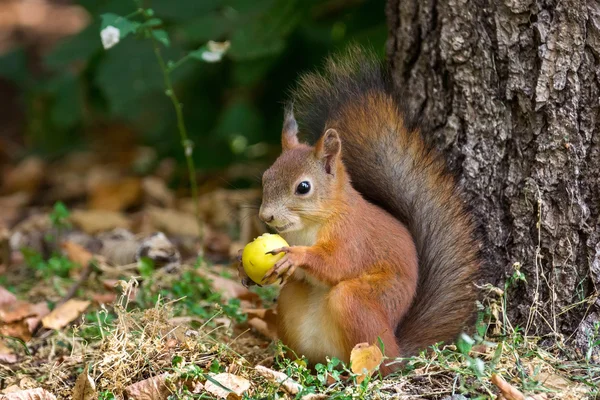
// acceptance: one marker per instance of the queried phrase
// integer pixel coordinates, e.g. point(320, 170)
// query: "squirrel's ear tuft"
point(328, 149)
point(289, 134)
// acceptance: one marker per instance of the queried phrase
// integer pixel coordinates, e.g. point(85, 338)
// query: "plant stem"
point(178, 63)
point(185, 142)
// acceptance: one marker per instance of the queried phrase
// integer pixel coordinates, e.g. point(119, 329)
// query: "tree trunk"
point(509, 91)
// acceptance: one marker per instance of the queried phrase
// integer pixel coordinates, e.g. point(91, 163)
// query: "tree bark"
point(509, 91)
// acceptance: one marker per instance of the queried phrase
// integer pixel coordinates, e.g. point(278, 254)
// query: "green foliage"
point(56, 265)
point(59, 217)
point(106, 395)
point(228, 107)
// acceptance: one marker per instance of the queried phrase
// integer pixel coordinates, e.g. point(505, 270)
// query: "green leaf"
point(162, 36)
point(464, 344)
point(80, 47)
point(13, 67)
point(153, 22)
point(213, 26)
point(124, 25)
point(182, 10)
point(146, 267)
point(67, 106)
point(176, 360)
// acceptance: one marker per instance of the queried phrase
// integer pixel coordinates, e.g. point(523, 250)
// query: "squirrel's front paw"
point(246, 281)
point(285, 267)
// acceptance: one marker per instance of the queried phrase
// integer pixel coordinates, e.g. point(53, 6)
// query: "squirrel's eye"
point(303, 187)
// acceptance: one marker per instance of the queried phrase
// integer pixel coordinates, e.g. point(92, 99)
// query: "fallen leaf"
point(119, 246)
point(315, 396)
point(553, 381)
point(104, 298)
point(287, 383)
point(217, 243)
point(95, 221)
point(116, 195)
point(77, 253)
point(264, 321)
point(229, 288)
point(365, 356)
point(154, 388)
point(236, 385)
point(6, 354)
point(39, 310)
point(18, 310)
point(6, 297)
point(172, 222)
point(17, 329)
point(156, 192)
point(26, 176)
point(85, 387)
point(31, 394)
point(64, 314)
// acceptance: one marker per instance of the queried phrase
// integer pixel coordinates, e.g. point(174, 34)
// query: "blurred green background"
point(63, 96)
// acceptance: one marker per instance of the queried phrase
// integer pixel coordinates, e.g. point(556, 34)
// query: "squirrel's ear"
point(328, 148)
point(289, 134)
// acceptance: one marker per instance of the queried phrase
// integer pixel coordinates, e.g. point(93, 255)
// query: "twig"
point(85, 274)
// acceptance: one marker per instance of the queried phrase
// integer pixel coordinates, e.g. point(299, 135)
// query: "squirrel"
point(381, 244)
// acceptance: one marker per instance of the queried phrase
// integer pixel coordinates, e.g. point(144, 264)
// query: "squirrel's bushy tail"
point(391, 166)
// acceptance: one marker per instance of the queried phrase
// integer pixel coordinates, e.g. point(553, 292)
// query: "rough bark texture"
point(509, 91)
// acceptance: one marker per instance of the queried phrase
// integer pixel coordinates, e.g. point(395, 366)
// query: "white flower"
point(211, 56)
point(215, 51)
point(110, 36)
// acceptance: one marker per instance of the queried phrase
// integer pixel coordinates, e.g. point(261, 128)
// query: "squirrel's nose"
point(266, 216)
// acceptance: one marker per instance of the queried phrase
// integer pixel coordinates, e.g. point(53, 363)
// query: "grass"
point(179, 325)
point(135, 340)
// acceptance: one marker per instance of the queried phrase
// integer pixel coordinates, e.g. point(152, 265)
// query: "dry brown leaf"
point(508, 391)
point(264, 321)
point(287, 383)
point(17, 310)
point(6, 354)
point(39, 311)
point(116, 196)
point(17, 329)
point(64, 314)
point(6, 297)
point(77, 253)
point(31, 394)
point(85, 387)
point(236, 385)
point(553, 381)
point(229, 288)
point(26, 176)
point(172, 222)
point(365, 356)
point(315, 396)
point(119, 246)
point(95, 221)
point(104, 298)
point(157, 193)
point(154, 388)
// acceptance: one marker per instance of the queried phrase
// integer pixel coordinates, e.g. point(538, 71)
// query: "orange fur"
point(356, 272)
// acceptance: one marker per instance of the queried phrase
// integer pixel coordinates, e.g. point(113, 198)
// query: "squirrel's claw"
point(283, 269)
point(246, 281)
point(284, 250)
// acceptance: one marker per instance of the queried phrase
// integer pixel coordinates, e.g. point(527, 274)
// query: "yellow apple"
point(254, 258)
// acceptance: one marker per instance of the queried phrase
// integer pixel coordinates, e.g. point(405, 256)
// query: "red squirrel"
point(381, 245)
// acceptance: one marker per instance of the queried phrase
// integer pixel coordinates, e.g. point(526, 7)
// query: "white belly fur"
point(317, 340)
